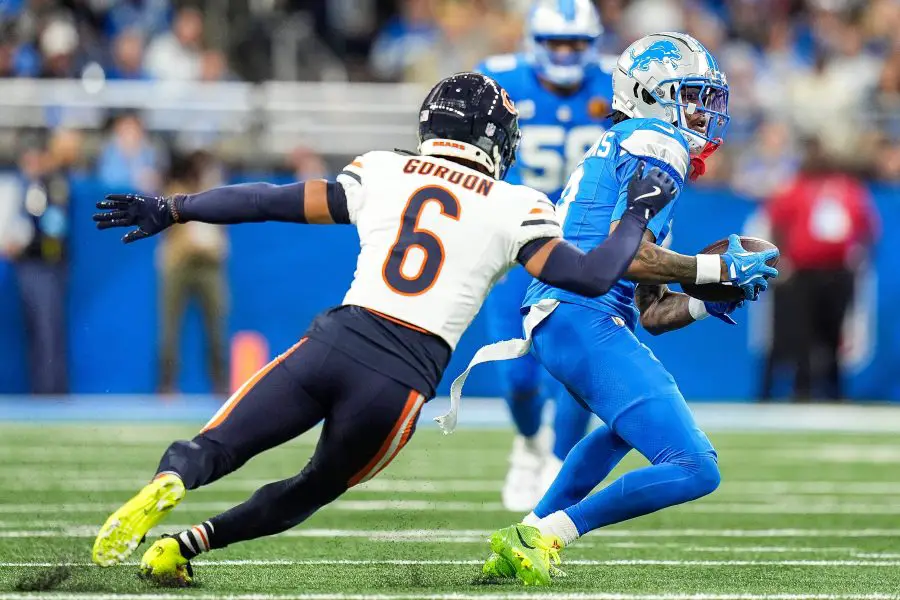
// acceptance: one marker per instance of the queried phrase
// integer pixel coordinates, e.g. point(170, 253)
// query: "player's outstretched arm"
point(562, 265)
point(654, 264)
point(316, 201)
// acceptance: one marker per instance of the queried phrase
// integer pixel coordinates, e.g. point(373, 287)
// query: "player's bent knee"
point(198, 461)
point(707, 477)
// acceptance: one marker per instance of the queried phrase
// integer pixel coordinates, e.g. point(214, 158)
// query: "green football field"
point(797, 516)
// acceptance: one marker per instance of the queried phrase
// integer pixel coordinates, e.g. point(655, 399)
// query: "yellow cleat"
point(532, 556)
point(164, 564)
point(126, 528)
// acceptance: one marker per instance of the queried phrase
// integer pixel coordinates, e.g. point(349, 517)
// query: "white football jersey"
point(435, 236)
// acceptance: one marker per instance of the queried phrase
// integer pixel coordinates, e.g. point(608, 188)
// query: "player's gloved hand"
point(723, 310)
point(151, 214)
point(748, 270)
point(698, 163)
point(647, 195)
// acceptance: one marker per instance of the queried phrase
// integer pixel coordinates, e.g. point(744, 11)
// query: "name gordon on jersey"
point(470, 181)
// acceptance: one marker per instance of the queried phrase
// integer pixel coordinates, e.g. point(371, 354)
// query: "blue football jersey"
point(596, 194)
point(556, 130)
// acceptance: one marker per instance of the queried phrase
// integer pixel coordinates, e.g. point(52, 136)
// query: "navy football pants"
point(368, 418)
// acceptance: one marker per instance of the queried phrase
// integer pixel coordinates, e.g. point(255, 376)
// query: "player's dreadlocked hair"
point(617, 117)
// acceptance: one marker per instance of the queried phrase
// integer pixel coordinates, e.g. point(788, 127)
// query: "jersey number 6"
point(411, 236)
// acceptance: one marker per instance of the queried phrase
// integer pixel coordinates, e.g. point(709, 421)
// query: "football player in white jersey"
point(437, 229)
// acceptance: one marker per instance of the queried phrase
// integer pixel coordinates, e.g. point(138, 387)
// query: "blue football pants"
point(603, 364)
point(525, 383)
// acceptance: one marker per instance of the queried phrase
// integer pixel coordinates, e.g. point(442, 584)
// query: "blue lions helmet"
point(553, 21)
point(674, 78)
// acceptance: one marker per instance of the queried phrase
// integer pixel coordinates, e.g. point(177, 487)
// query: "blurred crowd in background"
point(796, 67)
point(829, 68)
point(799, 70)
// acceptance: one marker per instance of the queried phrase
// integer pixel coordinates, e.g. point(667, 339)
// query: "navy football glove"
point(151, 214)
point(723, 310)
point(649, 195)
point(748, 270)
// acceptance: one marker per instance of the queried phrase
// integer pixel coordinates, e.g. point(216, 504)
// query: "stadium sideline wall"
point(282, 275)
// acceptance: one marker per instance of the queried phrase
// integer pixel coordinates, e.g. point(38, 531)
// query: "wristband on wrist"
point(697, 308)
point(709, 268)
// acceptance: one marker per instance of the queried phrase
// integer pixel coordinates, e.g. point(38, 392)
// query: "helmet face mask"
point(556, 23)
point(672, 77)
point(702, 111)
point(469, 116)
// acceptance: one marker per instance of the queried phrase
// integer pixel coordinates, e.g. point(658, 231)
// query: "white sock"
point(531, 519)
point(560, 525)
point(532, 444)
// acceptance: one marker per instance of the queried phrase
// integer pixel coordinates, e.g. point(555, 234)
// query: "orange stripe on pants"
point(395, 440)
point(242, 392)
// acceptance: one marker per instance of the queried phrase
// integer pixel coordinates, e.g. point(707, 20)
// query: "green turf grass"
point(799, 515)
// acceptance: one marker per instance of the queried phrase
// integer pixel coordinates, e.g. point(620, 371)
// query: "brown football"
point(717, 292)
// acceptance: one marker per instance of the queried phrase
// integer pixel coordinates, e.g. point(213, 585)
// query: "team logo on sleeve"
point(663, 51)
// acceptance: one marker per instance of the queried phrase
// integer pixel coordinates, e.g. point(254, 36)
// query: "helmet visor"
point(704, 107)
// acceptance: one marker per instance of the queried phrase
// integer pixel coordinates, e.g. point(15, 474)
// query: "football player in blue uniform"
point(563, 97)
point(670, 104)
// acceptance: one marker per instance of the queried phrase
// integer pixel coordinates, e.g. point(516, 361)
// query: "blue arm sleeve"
point(624, 172)
point(594, 273)
point(255, 203)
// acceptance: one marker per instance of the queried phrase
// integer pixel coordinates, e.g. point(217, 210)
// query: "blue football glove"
point(748, 270)
point(723, 310)
point(151, 214)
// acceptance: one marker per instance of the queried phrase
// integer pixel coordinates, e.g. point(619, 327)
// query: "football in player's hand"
point(717, 292)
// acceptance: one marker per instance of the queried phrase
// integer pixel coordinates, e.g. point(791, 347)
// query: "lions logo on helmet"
point(674, 78)
point(663, 51)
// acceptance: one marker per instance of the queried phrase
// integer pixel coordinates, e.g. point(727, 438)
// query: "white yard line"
point(89, 531)
point(480, 561)
point(793, 508)
point(348, 505)
point(26, 480)
point(780, 508)
point(544, 595)
point(742, 549)
point(836, 488)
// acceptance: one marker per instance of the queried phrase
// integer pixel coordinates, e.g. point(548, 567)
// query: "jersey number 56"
point(549, 153)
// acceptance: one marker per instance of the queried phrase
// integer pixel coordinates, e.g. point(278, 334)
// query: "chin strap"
point(698, 163)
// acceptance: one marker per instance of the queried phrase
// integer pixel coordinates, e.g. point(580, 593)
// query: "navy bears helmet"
point(469, 116)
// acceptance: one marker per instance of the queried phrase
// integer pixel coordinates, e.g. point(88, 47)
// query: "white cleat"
point(521, 490)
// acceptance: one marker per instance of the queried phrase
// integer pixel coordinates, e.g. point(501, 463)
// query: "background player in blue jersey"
point(563, 98)
point(670, 109)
